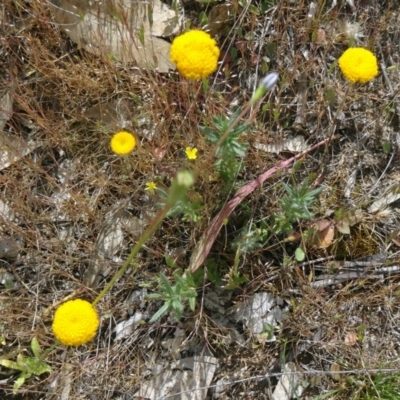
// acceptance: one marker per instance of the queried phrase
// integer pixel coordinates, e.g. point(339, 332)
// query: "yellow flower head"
point(151, 187)
point(75, 322)
point(195, 54)
point(191, 153)
point(358, 65)
point(123, 143)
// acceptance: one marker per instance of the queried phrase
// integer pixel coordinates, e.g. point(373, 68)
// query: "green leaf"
point(165, 308)
point(169, 261)
point(177, 306)
point(387, 147)
point(35, 347)
point(192, 303)
point(330, 96)
point(12, 365)
point(203, 19)
point(36, 366)
point(253, 9)
point(141, 35)
point(167, 285)
point(20, 381)
point(299, 254)
point(155, 296)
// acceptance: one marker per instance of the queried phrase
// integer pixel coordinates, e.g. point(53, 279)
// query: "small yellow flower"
point(358, 65)
point(151, 187)
point(195, 54)
point(123, 143)
point(191, 153)
point(75, 322)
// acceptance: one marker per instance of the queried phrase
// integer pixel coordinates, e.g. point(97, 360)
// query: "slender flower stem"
point(49, 350)
point(232, 125)
point(146, 235)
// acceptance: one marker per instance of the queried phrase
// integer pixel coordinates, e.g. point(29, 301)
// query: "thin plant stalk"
point(135, 250)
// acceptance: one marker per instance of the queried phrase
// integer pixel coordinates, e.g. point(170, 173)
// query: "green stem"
point(49, 350)
point(143, 238)
point(232, 125)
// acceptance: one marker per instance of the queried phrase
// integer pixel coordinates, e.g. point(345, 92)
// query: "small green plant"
point(189, 210)
point(381, 385)
point(227, 164)
point(184, 289)
point(384, 386)
point(252, 238)
point(295, 206)
point(175, 296)
point(235, 279)
point(28, 365)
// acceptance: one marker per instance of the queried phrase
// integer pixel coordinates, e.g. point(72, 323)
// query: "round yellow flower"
point(75, 322)
point(123, 143)
point(358, 65)
point(195, 54)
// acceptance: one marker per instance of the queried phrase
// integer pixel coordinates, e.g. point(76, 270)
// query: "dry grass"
point(68, 192)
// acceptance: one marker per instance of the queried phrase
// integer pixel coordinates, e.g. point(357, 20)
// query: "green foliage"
point(234, 277)
point(228, 152)
point(27, 365)
point(178, 201)
point(295, 206)
point(190, 210)
point(175, 296)
point(253, 238)
point(384, 386)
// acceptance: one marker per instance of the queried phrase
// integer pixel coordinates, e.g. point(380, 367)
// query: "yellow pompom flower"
point(358, 65)
point(195, 54)
point(75, 322)
point(123, 143)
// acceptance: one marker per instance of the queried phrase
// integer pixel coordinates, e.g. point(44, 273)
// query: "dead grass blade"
point(207, 240)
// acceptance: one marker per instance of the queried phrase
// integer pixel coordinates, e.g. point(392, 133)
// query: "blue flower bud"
point(266, 84)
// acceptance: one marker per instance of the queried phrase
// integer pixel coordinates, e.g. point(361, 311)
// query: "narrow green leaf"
point(19, 382)
point(165, 308)
point(35, 347)
point(167, 285)
point(12, 365)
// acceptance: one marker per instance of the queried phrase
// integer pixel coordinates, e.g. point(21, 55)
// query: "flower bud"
point(266, 84)
point(183, 181)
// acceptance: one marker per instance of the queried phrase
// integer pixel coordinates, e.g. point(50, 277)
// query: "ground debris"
point(190, 384)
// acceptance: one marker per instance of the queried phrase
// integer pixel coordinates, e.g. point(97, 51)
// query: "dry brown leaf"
point(324, 233)
point(348, 220)
point(13, 149)
point(351, 338)
point(320, 36)
point(321, 224)
point(220, 18)
point(343, 226)
point(113, 28)
point(335, 368)
point(6, 109)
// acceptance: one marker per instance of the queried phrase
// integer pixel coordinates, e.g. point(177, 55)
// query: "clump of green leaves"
point(27, 365)
point(250, 239)
point(381, 386)
point(189, 210)
point(231, 150)
point(295, 206)
point(175, 296)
